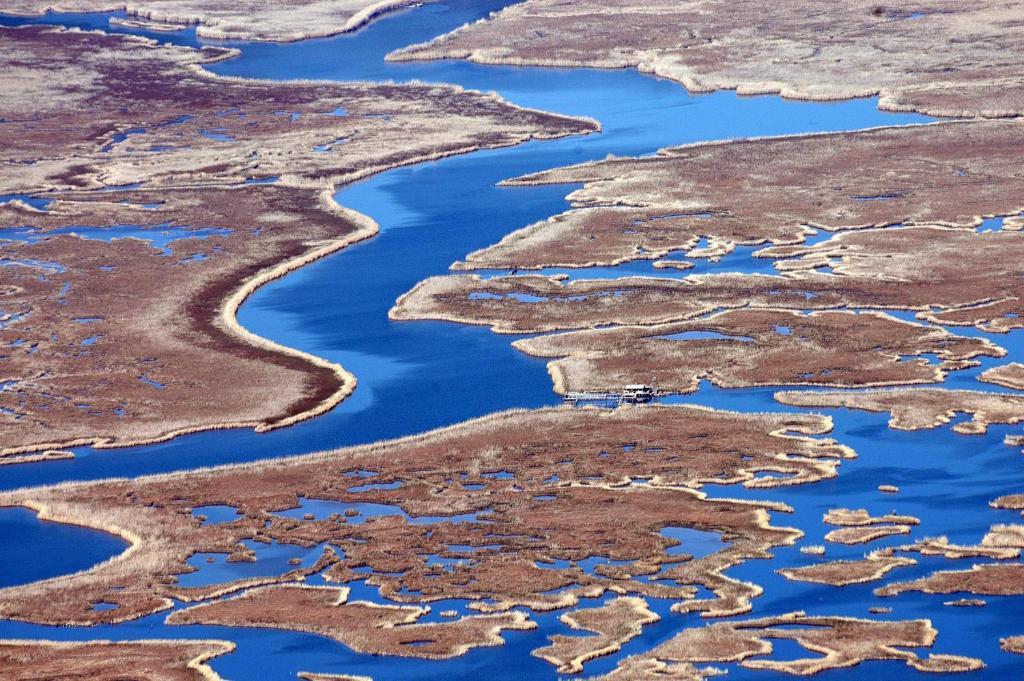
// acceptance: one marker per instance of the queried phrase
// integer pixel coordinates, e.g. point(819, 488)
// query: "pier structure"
point(636, 393)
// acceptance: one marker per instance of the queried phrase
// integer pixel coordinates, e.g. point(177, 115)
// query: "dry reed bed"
point(1013, 644)
point(921, 408)
point(614, 624)
point(944, 57)
point(1008, 375)
point(234, 21)
point(993, 545)
point(832, 643)
point(1002, 542)
point(785, 335)
point(950, 276)
point(364, 627)
point(1009, 502)
point(179, 326)
point(747, 192)
point(988, 579)
point(150, 660)
point(267, 128)
point(211, 370)
point(860, 517)
point(570, 496)
point(863, 535)
point(872, 567)
point(857, 526)
point(745, 348)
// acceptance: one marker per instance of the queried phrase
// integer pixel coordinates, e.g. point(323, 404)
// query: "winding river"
point(414, 376)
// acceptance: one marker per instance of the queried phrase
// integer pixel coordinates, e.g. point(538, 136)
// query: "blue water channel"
point(414, 376)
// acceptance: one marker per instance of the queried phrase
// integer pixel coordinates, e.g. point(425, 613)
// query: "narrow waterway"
point(414, 376)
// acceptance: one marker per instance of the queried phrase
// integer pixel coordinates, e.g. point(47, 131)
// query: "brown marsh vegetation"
point(227, 19)
point(573, 484)
point(150, 660)
point(831, 642)
point(71, 94)
point(772, 190)
point(940, 57)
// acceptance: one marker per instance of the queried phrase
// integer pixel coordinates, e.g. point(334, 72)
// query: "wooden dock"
point(631, 394)
point(577, 397)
